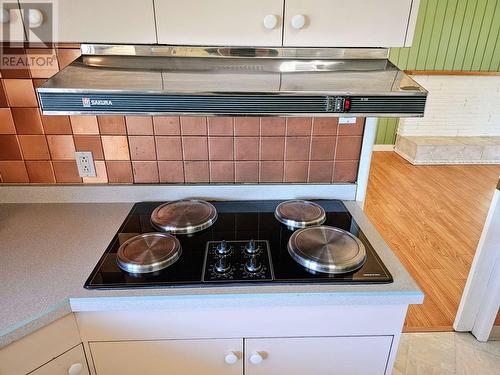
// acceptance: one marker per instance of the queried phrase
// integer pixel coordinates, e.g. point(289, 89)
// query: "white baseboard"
point(445, 162)
point(495, 333)
point(383, 147)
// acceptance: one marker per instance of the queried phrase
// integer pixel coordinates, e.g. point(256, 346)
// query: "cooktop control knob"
point(223, 248)
point(222, 265)
point(251, 247)
point(253, 264)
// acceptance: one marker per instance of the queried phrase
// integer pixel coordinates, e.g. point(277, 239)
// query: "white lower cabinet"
point(51, 350)
point(172, 357)
point(277, 356)
point(72, 362)
point(317, 355)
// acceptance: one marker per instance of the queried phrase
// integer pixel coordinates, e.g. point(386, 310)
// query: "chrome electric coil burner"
point(327, 249)
point(148, 252)
point(299, 214)
point(184, 216)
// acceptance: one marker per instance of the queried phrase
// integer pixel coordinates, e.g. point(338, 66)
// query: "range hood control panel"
point(338, 104)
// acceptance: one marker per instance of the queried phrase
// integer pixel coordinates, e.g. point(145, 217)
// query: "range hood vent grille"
point(81, 103)
point(158, 104)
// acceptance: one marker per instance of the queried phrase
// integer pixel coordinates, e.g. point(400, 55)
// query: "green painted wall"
point(461, 35)
point(386, 131)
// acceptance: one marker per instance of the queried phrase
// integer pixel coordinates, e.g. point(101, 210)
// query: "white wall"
point(457, 106)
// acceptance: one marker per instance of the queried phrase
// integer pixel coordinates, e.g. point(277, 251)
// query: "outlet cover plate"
point(85, 164)
point(347, 120)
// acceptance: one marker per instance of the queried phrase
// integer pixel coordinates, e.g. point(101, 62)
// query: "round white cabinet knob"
point(35, 18)
point(75, 369)
point(256, 358)
point(298, 21)
point(231, 358)
point(270, 21)
point(4, 16)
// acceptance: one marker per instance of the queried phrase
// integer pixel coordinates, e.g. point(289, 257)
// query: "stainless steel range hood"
point(163, 80)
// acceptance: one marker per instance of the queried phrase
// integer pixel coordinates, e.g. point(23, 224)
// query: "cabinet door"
point(96, 21)
point(353, 23)
point(173, 357)
point(318, 356)
point(11, 30)
point(73, 359)
point(221, 22)
point(39, 347)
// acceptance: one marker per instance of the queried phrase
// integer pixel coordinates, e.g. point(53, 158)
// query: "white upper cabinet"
point(265, 23)
point(352, 23)
point(94, 21)
point(219, 22)
point(11, 23)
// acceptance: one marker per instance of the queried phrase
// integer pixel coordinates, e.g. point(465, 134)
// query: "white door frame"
point(365, 159)
point(481, 297)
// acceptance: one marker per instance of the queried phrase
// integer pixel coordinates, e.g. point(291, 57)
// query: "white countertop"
point(47, 251)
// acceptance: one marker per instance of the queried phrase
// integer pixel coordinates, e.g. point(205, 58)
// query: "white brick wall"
point(457, 106)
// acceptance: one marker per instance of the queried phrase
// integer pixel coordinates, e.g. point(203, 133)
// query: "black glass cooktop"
point(238, 222)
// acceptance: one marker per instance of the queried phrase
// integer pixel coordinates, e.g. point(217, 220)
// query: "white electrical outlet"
point(85, 163)
point(347, 120)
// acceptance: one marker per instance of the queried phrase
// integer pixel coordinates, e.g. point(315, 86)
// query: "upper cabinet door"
point(353, 23)
point(221, 22)
point(11, 28)
point(93, 21)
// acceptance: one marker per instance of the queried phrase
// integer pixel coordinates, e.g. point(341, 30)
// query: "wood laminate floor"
point(432, 217)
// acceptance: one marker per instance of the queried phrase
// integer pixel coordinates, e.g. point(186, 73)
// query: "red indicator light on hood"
point(347, 104)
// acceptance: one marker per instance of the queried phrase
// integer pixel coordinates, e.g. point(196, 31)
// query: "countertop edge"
point(34, 323)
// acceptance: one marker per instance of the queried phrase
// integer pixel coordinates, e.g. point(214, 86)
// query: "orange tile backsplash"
point(246, 126)
point(9, 148)
point(40, 171)
point(84, 125)
point(111, 125)
point(20, 92)
point(165, 149)
point(6, 122)
point(34, 147)
point(119, 172)
point(139, 125)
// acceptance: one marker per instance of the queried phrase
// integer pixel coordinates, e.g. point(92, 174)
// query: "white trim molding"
point(365, 158)
point(481, 298)
point(377, 148)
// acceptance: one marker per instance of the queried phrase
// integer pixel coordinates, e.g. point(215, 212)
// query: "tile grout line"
point(310, 152)
point(285, 149)
point(259, 162)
